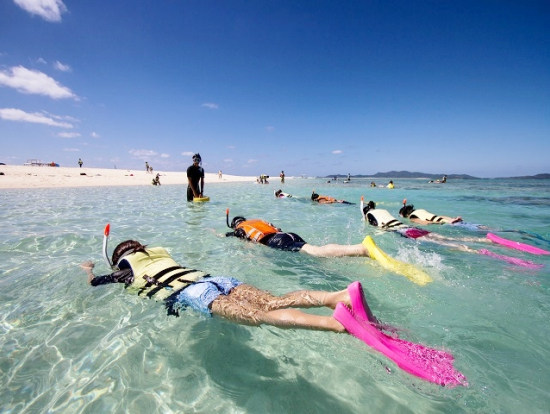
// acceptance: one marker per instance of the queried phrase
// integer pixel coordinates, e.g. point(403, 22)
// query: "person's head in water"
point(314, 196)
point(371, 205)
point(278, 193)
point(236, 220)
point(406, 210)
point(197, 158)
point(125, 248)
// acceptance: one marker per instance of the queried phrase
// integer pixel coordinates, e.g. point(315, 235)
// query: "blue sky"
point(309, 87)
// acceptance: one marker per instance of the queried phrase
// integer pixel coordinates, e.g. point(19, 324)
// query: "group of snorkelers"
point(151, 272)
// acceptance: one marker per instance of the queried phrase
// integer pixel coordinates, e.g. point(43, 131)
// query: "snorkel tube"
point(227, 217)
point(105, 240)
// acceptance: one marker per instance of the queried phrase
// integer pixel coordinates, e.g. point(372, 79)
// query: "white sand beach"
point(29, 176)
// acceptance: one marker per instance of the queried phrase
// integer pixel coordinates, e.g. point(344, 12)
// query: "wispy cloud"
point(142, 154)
point(49, 10)
point(210, 105)
point(71, 150)
point(68, 134)
point(18, 115)
point(164, 155)
point(94, 135)
point(187, 153)
point(34, 82)
point(61, 66)
point(337, 152)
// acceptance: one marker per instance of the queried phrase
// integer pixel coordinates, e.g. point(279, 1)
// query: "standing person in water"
point(153, 273)
point(195, 178)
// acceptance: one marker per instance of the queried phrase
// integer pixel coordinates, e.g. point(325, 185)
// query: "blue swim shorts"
point(202, 293)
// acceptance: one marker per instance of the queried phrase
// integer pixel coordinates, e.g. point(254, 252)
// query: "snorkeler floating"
point(384, 220)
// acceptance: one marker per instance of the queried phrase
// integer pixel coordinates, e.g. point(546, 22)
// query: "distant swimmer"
point(279, 194)
point(322, 199)
point(390, 185)
point(421, 216)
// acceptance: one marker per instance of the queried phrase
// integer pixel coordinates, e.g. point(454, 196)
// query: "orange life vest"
point(257, 229)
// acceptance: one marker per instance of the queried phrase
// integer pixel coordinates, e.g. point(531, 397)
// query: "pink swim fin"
point(512, 260)
point(427, 363)
point(516, 245)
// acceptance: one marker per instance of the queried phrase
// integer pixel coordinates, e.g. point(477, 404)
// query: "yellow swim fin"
point(410, 271)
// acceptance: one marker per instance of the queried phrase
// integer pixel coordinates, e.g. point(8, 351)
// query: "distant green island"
point(409, 174)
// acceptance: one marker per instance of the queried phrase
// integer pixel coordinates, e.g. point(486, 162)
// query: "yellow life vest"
point(256, 229)
point(425, 215)
point(157, 275)
point(382, 218)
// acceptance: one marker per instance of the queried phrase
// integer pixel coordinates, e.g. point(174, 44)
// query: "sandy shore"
point(15, 176)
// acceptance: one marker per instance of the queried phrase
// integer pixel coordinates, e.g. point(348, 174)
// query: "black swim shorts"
point(285, 241)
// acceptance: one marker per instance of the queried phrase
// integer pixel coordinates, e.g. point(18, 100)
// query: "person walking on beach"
point(282, 175)
point(195, 178)
point(80, 162)
point(153, 273)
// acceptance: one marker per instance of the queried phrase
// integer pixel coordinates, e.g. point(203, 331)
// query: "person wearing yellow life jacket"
point(421, 216)
point(153, 273)
point(323, 199)
point(260, 231)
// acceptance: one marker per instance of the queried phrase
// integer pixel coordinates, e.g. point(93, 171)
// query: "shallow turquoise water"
point(68, 347)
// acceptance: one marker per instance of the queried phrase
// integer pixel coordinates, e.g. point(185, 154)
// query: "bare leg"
point(251, 306)
point(335, 250)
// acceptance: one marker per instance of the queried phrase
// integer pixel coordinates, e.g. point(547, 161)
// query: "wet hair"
point(314, 196)
point(278, 192)
point(236, 220)
point(406, 210)
point(371, 205)
point(127, 247)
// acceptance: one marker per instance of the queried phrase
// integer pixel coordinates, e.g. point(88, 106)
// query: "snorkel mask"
point(197, 158)
point(105, 241)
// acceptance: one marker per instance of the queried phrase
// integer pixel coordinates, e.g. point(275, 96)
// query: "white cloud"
point(252, 161)
point(34, 82)
point(337, 151)
point(49, 10)
point(142, 154)
point(210, 105)
point(94, 135)
point(164, 155)
point(13, 114)
point(228, 160)
point(61, 66)
point(68, 134)
point(71, 150)
point(187, 154)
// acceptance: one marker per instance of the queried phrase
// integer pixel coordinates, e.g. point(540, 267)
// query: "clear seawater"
point(66, 347)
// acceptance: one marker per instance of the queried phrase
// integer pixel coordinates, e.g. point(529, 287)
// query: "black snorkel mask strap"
point(105, 241)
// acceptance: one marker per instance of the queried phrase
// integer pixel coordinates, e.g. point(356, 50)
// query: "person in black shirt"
point(195, 178)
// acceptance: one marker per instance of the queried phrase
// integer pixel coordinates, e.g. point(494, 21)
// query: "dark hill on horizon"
point(408, 174)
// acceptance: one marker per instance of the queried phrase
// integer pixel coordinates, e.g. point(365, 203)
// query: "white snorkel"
point(361, 206)
point(105, 240)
